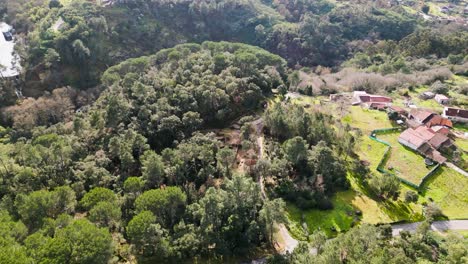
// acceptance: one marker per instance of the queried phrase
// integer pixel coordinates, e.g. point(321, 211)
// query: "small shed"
point(441, 99)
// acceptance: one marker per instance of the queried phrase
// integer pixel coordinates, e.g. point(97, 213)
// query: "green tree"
point(272, 213)
point(318, 240)
point(167, 204)
point(152, 169)
point(34, 207)
point(225, 158)
point(296, 151)
point(97, 195)
point(384, 185)
point(80, 242)
point(105, 214)
point(147, 235)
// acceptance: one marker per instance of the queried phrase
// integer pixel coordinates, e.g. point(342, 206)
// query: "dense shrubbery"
point(312, 153)
point(169, 95)
point(73, 44)
point(187, 203)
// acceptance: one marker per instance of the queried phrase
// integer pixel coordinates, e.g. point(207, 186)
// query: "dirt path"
point(436, 226)
point(260, 180)
point(458, 169)
point(289, 242)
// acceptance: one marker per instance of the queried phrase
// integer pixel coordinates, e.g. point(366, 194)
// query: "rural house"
point(441, 99)
point(371, 101)
point(456, 114)
point(419, 117)
point(425, 141)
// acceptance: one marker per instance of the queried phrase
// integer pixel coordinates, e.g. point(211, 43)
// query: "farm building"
point(370, 100)
point(425, 141)
point(422, 117)
point(438, 120)
point(456, 114)
point(441, 99)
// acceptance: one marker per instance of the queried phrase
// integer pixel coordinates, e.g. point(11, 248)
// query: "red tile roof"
point(424, 140)
point(435, 155)
point(422, 134)
point(441, 129)
point(438, 120)
point(380, 99)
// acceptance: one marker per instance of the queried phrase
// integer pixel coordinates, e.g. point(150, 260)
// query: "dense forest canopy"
point(180, 131)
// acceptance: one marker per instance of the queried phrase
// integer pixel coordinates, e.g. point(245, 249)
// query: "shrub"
point(439, 88)
point(455, 59)
point(411, 196)
point(432, 211)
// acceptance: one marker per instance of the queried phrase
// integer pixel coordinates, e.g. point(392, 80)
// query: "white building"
point(456, 114)
point(441, 99)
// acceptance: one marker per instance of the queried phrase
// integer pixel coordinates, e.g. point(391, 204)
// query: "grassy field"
point(366, 120)
point(343, 216)
point(448, 189)
point(430, 104)
point(460, 127)
point(462, 144)
point(340, 217)
point(404, 162)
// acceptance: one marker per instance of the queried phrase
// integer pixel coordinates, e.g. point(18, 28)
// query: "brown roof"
point(397, 109)
point(421, 114)
point(438, 140)
point(441, 129)
point(411, 136)
point(378, 105)
point(455, 112)
point(380, 99)
point(375, 98)
point(438, 120)
point(435, 155)
point(364, 98)
point(425, 133)
point(421, 135)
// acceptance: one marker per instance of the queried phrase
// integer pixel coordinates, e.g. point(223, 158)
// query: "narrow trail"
point(289, 242)
point(260, 180)
point(435, 226)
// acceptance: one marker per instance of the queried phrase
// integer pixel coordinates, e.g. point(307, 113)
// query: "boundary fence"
point(381, 166)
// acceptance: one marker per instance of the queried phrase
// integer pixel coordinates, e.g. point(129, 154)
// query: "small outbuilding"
point(441, 99)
